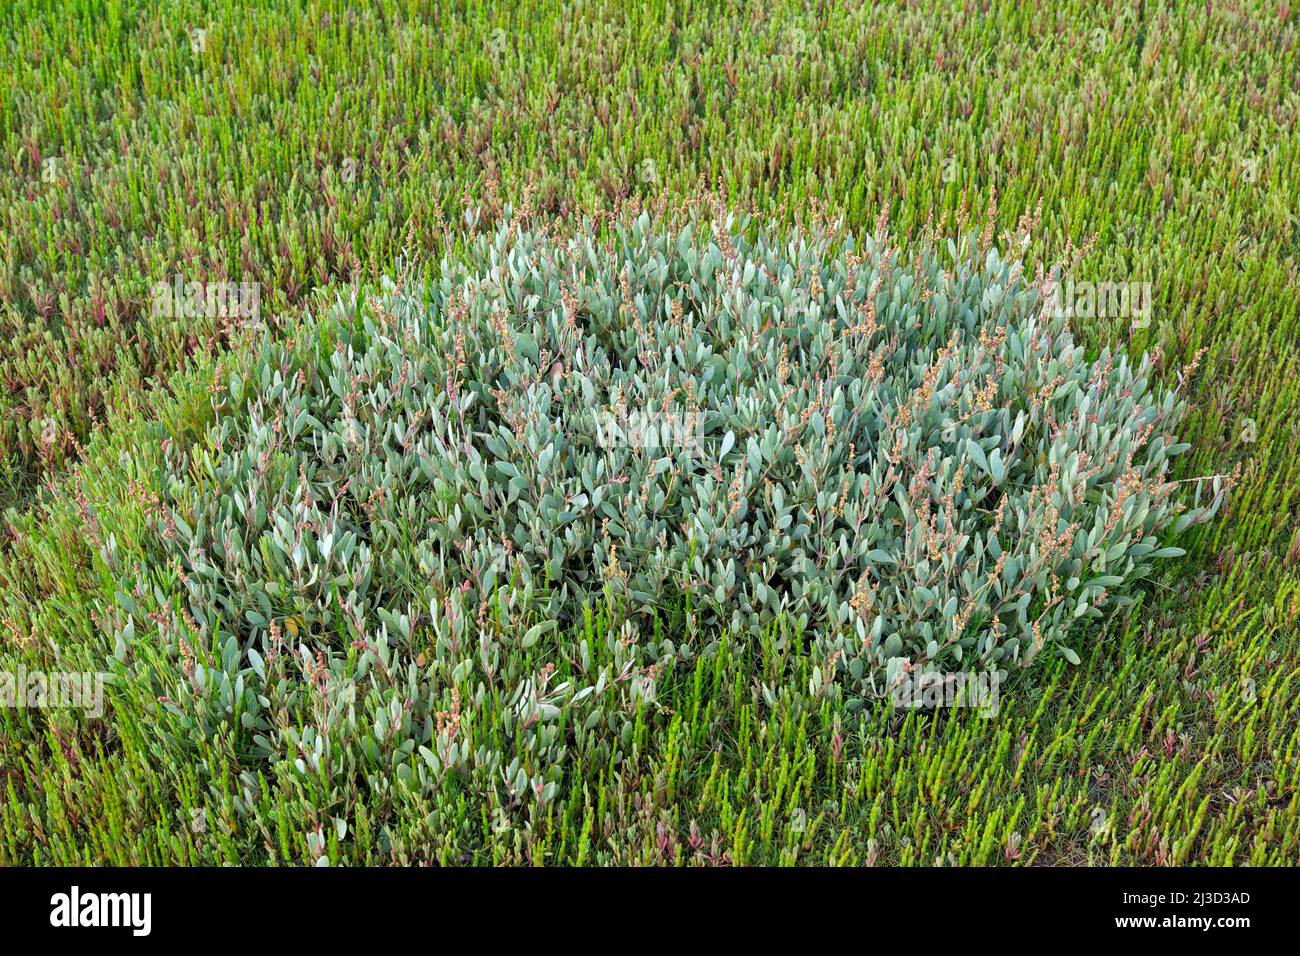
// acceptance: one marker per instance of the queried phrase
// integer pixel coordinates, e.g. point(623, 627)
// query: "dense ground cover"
point(301, 149)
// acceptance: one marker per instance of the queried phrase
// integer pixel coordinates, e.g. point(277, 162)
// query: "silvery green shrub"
point(908, 459)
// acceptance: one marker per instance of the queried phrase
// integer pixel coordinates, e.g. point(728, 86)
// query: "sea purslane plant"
point(907, 459)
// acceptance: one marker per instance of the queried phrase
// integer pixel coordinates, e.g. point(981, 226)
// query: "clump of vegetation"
point(911, 462)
